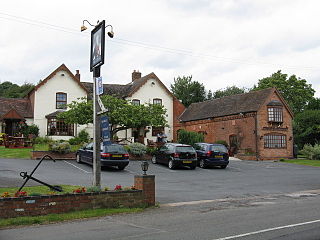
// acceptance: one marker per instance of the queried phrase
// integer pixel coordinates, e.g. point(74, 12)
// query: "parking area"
point(239, 179)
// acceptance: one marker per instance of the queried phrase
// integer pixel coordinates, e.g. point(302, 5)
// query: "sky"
point(220, 43)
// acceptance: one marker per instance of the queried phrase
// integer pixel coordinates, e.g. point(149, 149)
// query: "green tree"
point(122, 115)
point(306, 127)
point(313, 104)
point(188, 91)
point(11, 90)
point(296, 91)
point(229, 91)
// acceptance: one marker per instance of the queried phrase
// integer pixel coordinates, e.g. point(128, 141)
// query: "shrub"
point(151, 150)
point(5, 195)
point(137, 149)
point(311, 152)
point(222, 142)
point(60, 147)
point(83, 136)
point(80, 190)
point(75, 141)
point(94, 189)
point(43, 140)
point(190, 138)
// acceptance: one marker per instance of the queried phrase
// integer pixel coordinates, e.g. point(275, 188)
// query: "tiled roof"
point(240, 103)
point(126, 90)
point(21, 105)
point(54, 114)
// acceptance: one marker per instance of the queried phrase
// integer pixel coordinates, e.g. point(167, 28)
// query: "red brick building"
point(256, 125)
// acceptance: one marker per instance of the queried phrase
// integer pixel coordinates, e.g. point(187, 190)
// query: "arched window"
point(61, 100)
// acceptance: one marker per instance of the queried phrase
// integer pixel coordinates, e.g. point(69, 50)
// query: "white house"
point(61, 87)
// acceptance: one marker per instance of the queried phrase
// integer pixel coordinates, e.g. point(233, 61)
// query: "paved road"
point(294, 216)
point(240, 179)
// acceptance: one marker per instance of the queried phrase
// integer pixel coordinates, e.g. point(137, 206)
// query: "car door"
point(162, 154)
point(88, 153)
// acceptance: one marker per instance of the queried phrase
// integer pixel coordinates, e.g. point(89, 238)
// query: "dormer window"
point(275, 112)
point(61, 100)
point(157, 101)
point(135, 102)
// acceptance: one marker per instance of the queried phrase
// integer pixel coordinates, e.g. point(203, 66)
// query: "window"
point(275, 141)
point(156, 130)
point(59, 128)
point(157, 101)
point(61, 100)
point(275, 114)
point(136, 102)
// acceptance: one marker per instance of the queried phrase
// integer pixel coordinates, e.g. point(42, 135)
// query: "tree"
point(306, 127)
point(11, 90)
point(229, 91)
point(313, 104)
point(296, 91)
point(188, 91)
point(122, 115)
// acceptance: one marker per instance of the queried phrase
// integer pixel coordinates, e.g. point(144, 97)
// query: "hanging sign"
point(105, 130)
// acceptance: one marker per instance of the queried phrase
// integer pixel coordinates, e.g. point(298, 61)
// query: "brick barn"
point(256, 125)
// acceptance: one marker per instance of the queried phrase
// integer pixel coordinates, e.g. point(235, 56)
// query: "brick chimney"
point(136, 75)
point(77, 75)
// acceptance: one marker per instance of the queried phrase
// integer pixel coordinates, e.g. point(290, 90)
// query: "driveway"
point(239, 179)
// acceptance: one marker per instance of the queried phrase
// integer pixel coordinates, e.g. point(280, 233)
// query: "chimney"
point(77, 75)
point(136, 75)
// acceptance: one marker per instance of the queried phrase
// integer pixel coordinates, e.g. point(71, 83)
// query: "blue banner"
point(105, 131)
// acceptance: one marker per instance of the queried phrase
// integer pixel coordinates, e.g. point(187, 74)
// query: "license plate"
point(116, 155)
point(219, 156)
point(187, 161)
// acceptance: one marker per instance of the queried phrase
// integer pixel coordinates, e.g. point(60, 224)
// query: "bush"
point(137, 149)
point(75, 141)
point(190, 138)
point(151, 150)
point(94, 189)
point(311, 152)
point(43, 140)
point(83, 136)
point(60, 147)
point(222, 142)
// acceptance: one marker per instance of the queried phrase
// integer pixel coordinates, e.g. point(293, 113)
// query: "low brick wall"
point(246, 157)
point(43, 205)
point(57, 156)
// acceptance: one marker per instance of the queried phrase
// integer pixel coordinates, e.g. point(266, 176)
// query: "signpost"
point(105, 130)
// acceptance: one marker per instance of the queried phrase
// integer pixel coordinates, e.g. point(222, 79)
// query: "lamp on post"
point(96, 60)
point(144, 167)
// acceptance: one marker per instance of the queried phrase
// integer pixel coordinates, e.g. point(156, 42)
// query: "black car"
point(111, 155)
point(212, 155)
point(175, 155)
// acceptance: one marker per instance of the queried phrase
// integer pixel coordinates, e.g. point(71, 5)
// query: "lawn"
point(25, 153)
point(307, 162)
point(38, 190)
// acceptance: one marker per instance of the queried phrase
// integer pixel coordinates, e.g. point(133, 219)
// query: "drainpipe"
point(257, 143)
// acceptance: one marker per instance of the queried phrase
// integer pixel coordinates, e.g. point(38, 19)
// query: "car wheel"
point(202, 164)
point(154, 159)
point(171, 164)
point(121, 168)
point(223, 167)
point(78, 158)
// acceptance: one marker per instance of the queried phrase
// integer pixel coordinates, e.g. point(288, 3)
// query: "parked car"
point(111, 155)
point(212, 155)
point(176, 154)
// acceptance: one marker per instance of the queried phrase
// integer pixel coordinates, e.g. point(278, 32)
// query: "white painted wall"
point(146, 94)
point(45, 99)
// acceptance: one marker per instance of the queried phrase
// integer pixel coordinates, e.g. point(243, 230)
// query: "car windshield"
point(114, 149)
point(217, 148)
point(185, 149)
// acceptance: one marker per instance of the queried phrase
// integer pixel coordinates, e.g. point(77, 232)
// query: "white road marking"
point(268, 230)
point(77, 167)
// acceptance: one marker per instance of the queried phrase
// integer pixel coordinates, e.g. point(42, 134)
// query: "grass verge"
point(43, 190)
point(51, 218)
point(307, 162)
point(24, 153)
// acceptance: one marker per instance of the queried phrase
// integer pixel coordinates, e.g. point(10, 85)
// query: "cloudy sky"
point(219, 42)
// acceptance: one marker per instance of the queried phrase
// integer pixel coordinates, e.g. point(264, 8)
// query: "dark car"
point(111, 155)
point(212, 155)
point(175, 155)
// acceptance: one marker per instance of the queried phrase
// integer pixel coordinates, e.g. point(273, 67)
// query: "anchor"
point(25, 175)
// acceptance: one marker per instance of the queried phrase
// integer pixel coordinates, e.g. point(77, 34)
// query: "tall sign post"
point(96, 60)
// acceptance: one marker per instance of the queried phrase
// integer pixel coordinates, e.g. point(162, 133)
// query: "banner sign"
point(99, 86)
point(105, 129)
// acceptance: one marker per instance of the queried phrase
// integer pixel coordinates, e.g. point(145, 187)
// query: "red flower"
point(20, 194)
point(118, 188)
